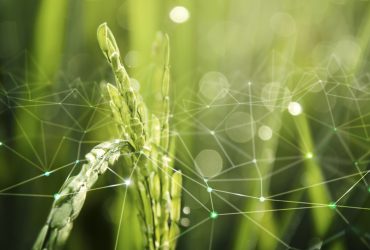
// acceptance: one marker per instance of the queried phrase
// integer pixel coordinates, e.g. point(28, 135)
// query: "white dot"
point(265, 133)
point(185, 222)
point(132, 59)
point(135, 84)
point(275, 95)
point(294, 108)
point(262, 199)
point(186, 210)
point(309, 155)
point(56, 196)
point(212, 132)
point(240, 127)
point(214, 85)
point(179, 14)
point(209, 162)
point(127, 182)
point(209, 189)
point(254, 161)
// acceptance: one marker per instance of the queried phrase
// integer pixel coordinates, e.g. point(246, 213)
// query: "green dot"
point(368, 189)
point(1, 143)
point(332, 205)
point(335, 129)
point(214, 215)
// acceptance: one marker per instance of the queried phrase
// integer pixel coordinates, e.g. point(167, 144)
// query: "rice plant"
point(145, 145)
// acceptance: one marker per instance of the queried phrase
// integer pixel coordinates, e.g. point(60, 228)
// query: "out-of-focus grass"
point(233, 37)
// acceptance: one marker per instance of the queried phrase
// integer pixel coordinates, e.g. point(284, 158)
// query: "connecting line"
point(328, 103)
point(211, 235)
point(124, 202)
point(348, 223)
point(183, 174)
point(189, 154)
point(186, 191)
point(348, 151)
point(274, 210)
point(189, 229)
point(197, 167)
point(352, 187)
point(253, 142)
point(360, 113)
point(317, 184)
point(256, 223)
point(34, 178)
point(23, 157)
point(27, 195)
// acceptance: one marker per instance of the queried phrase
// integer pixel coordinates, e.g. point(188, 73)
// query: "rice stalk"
point(69, 201)
point(146, 146)
point(159, 187)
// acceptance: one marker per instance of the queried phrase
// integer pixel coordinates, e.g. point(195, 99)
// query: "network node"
point(1, 143)
point(212, 132)
point(254, 161)
point(294, 108)
point(47, 173)
point(309, 155)
point(56, 196)
point(262, 199)
point(332, 205)
point(213, 215)
point(127, 182)
point(209, 189)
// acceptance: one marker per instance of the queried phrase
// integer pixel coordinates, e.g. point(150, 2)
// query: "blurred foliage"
point(52, 113)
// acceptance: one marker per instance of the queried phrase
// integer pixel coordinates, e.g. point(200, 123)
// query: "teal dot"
point(332, 205)
point(214, 215)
